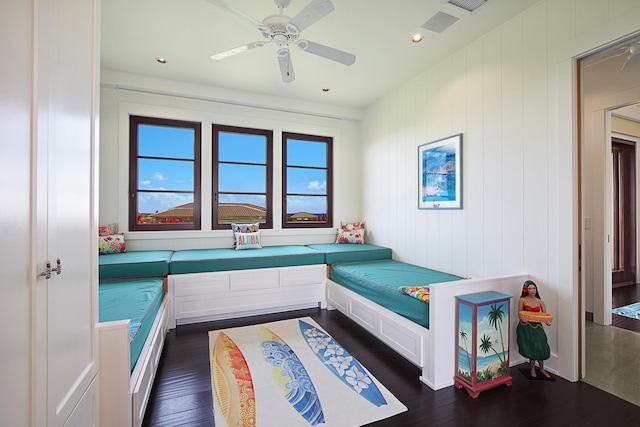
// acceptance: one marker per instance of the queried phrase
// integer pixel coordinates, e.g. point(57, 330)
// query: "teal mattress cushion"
point(138, 300)
point(342, 252)
point(134, 264)
point(210, 260)
point(379, 281)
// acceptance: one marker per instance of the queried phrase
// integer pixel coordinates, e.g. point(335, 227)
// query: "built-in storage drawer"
point(200, 284)
point(211, 296)
point(336, 297)
point(251, 280)
point(404, 340)
point(304, 275)
point(363, 314)
point(404, 336)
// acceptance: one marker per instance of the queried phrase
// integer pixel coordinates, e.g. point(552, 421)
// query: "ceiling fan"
point(632, 51)
point(284, 31)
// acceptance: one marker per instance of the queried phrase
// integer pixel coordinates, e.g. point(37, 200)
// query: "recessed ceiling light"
point(325, 89)
point(161, 60)
point(417, 38)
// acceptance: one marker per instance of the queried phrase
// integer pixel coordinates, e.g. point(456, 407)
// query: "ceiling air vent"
point(439, 22)
point(468, 5)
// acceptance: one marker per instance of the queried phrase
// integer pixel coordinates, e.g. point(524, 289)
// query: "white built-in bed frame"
point(124, 393)
point(431, 349)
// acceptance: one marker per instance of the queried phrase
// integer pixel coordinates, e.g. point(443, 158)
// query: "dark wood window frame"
point(329, 170)
point(134, 190)
point(268, 134)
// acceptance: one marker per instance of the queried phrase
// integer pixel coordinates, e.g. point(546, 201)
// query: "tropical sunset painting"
point(491, 343)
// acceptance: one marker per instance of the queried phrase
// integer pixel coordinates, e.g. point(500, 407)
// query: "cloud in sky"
point(317, 185)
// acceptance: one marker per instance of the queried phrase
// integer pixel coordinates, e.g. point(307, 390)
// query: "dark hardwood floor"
point(620, 297)
point(182, 391)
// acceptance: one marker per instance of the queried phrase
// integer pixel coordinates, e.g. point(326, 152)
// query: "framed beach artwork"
point(440, 168)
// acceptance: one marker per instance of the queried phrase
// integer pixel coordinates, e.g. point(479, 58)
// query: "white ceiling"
point(188, 32)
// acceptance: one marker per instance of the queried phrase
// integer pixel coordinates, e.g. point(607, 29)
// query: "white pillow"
point(248, 240)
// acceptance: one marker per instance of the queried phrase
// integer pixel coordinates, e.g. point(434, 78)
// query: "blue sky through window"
point(171, 168)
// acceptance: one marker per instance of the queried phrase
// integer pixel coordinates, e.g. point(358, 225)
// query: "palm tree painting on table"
point(490, 319)
point(465, 364)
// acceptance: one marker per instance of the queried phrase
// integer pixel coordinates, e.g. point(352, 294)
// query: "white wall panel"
point(149, 98)
point(510, 93)
point(493, 160)
point(512, 149)
point(458, 94)
point(473, 163)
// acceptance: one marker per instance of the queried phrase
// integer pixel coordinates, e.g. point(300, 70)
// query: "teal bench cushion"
point(341, 252)
point(134, 264)
point(379, 281)
point(138, 300)
point(210, 260)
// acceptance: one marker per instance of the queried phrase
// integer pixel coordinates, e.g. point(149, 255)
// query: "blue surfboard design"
point(338, 361)
point(293, 378)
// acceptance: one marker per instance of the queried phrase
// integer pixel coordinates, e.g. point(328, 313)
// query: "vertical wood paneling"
point(421, 137)
point(409, 169)
point(618, 8)
point(510, 93)
point(512, 118)
point(444, 119)
point(459, 125)
point(535, 169)
point(433, 224)
point(590, 14)
point(473, 161)
point(493, 160)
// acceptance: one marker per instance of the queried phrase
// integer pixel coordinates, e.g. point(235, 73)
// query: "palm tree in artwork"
point(495, 319)
point(464, 337)
point(486, 345)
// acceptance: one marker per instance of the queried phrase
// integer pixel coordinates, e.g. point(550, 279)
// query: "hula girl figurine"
point(532, 340)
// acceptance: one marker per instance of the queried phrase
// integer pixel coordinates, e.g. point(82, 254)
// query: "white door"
point(66, 301)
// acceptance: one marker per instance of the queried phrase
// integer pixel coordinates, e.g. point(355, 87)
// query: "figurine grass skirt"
point(532, 341)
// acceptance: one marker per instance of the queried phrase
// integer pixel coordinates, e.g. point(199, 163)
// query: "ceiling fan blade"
point(226, 6)
point(286, 67)
point(630, 60)
point(340, 56)
point(606, 58)
point(237, 50)
point(312, 13)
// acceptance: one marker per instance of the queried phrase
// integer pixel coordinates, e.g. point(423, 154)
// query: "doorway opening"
point(623, 245)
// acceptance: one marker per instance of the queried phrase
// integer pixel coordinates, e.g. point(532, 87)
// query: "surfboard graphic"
point(338, 361)
point(292, 377)
point(233, 387)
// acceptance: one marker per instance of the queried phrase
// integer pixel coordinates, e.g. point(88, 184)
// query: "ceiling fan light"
point(292, 29)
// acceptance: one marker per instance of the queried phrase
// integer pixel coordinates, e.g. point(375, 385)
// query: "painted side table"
point(483, 361)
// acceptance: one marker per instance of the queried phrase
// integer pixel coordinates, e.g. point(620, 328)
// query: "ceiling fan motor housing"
point(280, 30)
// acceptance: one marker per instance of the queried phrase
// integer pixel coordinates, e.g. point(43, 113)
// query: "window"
point(164, 181)
point(306, 181)
point(242, 176)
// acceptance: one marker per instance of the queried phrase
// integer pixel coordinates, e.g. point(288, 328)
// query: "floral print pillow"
point(111, 244)
point(107, 230)
point(351, 232)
